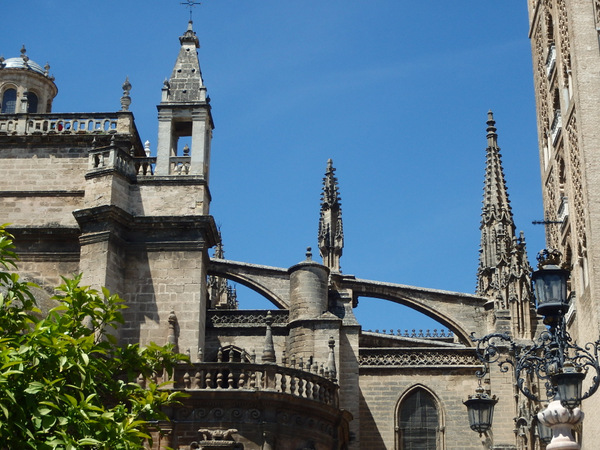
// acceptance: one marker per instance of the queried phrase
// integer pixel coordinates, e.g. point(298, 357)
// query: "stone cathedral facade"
point(92, 198)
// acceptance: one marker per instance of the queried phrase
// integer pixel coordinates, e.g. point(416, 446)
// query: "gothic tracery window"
point(418, 422)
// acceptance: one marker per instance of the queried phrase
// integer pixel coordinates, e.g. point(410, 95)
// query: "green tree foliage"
point(64, 382)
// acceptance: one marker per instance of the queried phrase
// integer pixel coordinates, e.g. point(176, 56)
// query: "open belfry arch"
point(302, 375)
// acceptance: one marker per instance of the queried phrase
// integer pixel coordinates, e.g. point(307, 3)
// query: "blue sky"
point(395, 92)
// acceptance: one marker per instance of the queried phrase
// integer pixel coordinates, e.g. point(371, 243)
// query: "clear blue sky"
point(396, 92)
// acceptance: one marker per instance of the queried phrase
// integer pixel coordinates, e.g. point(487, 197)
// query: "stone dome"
point(20, 63)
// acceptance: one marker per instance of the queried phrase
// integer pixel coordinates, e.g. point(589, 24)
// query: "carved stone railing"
point(67, 123)
point(242, 376)
point(180, 165)
point(246, 317)
point(145, 166)
point(418, 358)
point(427, 334)
point(111, 158)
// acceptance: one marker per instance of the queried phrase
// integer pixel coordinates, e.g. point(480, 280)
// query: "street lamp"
point(544, 433)
point(480, 408)
point(552, 358)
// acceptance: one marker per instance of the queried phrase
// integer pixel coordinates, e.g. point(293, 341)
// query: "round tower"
point(308, 290)
point(25, 87)
point(308, 325)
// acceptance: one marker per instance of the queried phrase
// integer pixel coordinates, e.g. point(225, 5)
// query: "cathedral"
point(302, 374)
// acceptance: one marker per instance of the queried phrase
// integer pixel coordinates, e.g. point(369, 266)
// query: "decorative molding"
point(418, 357)
point(57, 193)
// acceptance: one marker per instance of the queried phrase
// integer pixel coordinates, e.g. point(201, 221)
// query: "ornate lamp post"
point(552, 358)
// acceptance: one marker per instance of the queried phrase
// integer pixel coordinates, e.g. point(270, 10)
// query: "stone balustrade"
point(67, 123)
point(427, 334)
point(413, 357)
point(245, 376)
point(116, 158)
point(145, 166)
point(180, 165)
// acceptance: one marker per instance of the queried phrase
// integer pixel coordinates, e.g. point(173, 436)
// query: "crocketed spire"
point(504, 272)
point(497, 226)
point(331, 231)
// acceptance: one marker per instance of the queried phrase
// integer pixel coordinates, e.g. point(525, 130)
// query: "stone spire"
point(331, 231)
point(497, 226)
point(504, 272)
point(186, 84)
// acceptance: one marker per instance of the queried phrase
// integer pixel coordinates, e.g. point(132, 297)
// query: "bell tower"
point(184, 111)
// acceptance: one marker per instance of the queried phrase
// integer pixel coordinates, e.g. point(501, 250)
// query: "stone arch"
point(269, 282)
point(8, 99)
point(32, 102)
point(256, 287)
point(460, 313)
point(405, 400)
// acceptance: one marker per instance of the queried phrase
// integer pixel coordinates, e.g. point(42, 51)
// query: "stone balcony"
point(254, 404)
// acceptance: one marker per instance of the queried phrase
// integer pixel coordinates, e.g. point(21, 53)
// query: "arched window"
point(32, 103)
point(418, 421)
point(9, 101)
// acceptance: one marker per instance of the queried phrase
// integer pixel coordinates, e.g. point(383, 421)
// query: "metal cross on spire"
point(190, 4)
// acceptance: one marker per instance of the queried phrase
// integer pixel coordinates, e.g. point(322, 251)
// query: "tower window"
point(9, 101)
point(32, 103)
point(418, 422)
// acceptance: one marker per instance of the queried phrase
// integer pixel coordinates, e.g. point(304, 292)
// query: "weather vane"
point(190, 4)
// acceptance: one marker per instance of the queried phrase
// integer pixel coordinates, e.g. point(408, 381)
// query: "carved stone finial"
point(172, 336)
point(2, 64)
point(331, 368)
point(126, 99)
point(268, 355)
point(24, 55)
point(147, 148)
point(308, 254)
point(186, 150)
point(46, 69)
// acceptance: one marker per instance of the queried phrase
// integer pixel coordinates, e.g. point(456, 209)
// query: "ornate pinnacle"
point(331, 232)
point(331, 369)
point(269, 350)
point(126, 99)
